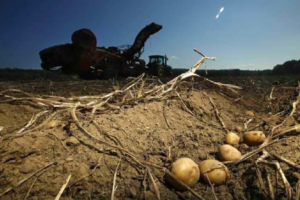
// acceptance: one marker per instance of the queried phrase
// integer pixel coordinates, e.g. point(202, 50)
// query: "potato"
point(186, 170)
point(254, 138)
point(229, 153)
point(213, 170)
point(232, 138)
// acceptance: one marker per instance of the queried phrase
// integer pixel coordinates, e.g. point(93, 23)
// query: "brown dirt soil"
point(158, 132)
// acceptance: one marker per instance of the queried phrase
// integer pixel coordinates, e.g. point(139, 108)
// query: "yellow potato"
point(186, 170)
point(232, 138)
point(213, 170)
point(254, 138)
point(229, 153)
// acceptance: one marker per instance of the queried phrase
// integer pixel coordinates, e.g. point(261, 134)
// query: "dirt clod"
point(72, 141)
point(250, 113)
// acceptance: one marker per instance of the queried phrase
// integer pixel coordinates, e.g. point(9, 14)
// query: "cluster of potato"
point(187, 171)
point(227, 152)
point(212, 171)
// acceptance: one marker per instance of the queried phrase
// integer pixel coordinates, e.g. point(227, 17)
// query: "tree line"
point(289, 67)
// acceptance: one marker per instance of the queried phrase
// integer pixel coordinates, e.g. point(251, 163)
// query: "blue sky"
point(256, 34)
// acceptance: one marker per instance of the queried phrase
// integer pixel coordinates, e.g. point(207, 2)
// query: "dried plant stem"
point(114, 188)
point(261, 182)
point(157, 192)
point(277, 181)
point(289, 162)
point(62, 144)
point(32, 120)
point(271, 189)
point(212, 187)
point(263, 156)
point(271, 93)
point(297, 195)
point(246, 124)
point(218, 114)
point(288, 188)
point(140, 92)
point(145, 183)
point(295, 128)
point(35, 128)
point(164, 114)
point(63, 188)
point(27, 195)
point(287, 185)
point(295, 106)
point(256, 126)
point(98, 106)
point(184, 105)
point(16, 90)
point(252, 153)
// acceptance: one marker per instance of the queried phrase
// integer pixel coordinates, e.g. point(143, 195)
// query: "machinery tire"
point(160, 72)
point(86, 76)
point(110, 73)
point(85, 39)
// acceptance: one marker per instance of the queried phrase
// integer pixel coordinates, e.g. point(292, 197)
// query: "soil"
point(158, 132)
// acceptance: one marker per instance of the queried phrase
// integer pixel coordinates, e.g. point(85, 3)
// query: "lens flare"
point(221, 10)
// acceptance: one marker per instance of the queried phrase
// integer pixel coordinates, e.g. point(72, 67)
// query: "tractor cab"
point(157, 59)
point(157, 66)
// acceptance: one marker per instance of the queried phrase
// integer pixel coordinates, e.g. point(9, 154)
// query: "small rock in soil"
point(133, 192)
point(69, 158)
point(250, 113)
point(150, 196)
point(243, 148)
point(238, 129)
point(266, 127)
point(202, 155)
point(72, 141)
point(27, 167)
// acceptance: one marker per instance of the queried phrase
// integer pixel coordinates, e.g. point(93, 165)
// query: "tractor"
point(84, 58)
point(157, 66)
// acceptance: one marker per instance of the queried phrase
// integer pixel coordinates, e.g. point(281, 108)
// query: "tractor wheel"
point(85, 39)
point(110, 73)
point(87, 76)
point(160, 72)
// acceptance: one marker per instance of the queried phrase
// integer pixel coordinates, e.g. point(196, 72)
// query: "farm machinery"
point(158, 66)
point(84, 58)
